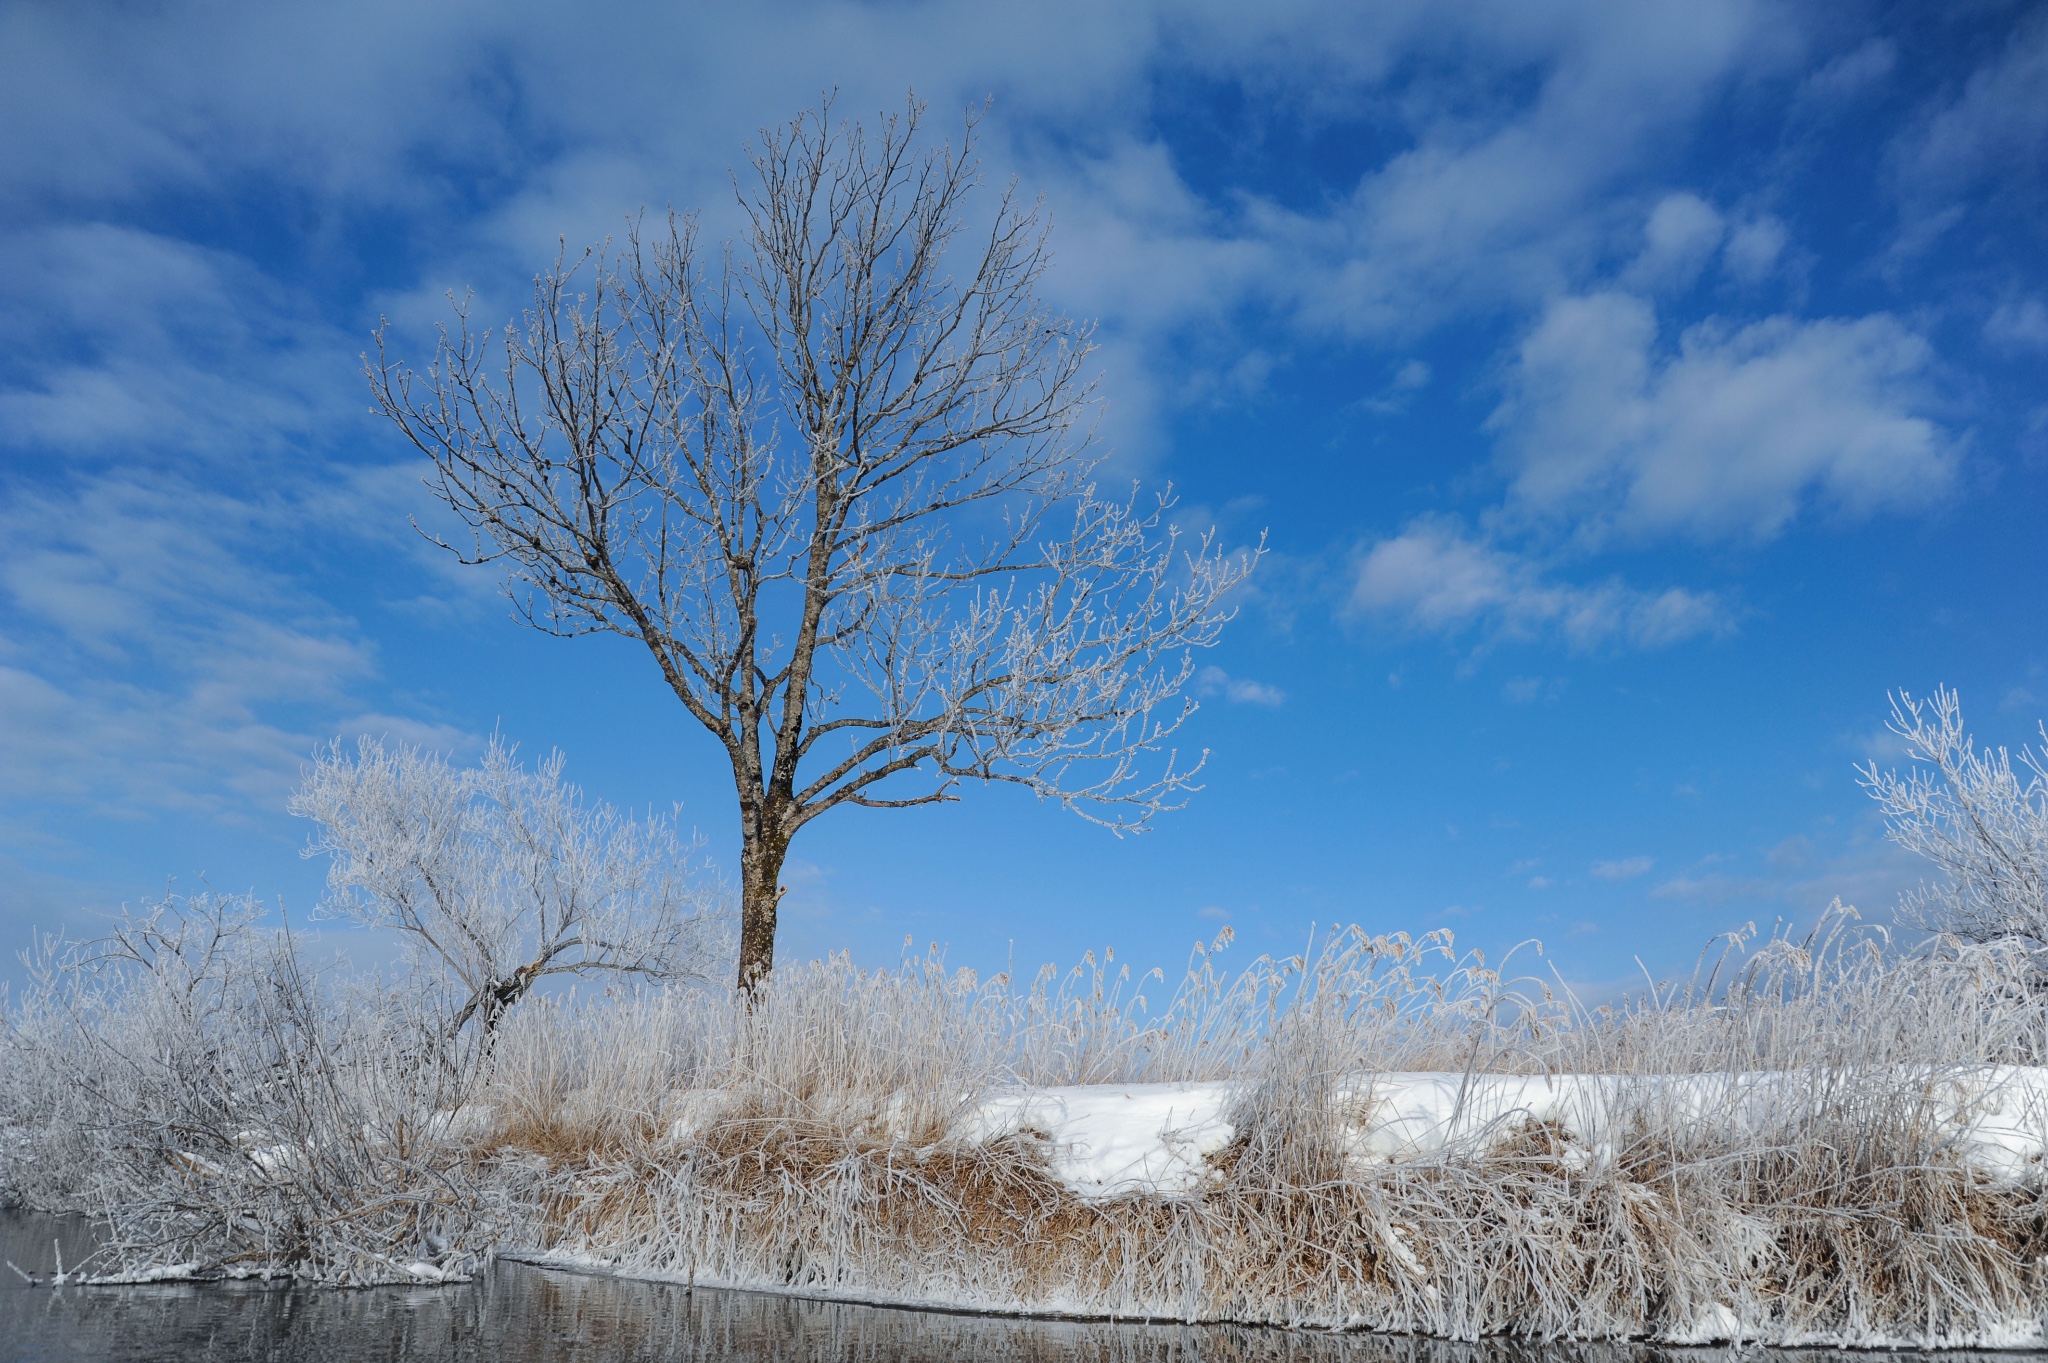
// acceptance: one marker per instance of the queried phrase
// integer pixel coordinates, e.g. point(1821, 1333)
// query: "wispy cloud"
point(1504, 210)
point(1214, 681)
point(1434, 576)
point(2019, 323)
point(1714, 888)
point(147, 661)
point(1994, 130)
point(1624, 868)
point(128, 343)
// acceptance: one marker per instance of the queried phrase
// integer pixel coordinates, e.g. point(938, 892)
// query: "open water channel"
point(519, 1314)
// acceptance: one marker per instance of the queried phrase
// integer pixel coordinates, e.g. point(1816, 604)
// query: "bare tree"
point(503, 876)
point(842, 493)
point(1983, 823)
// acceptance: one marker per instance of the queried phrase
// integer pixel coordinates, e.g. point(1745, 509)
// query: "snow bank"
point(1113, 1139)
point(1103, 1140)
point(1995, 1118)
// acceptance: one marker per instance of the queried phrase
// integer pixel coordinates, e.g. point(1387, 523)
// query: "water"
point(520, 1314)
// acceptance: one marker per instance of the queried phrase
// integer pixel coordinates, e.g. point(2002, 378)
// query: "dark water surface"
point(519, 1314)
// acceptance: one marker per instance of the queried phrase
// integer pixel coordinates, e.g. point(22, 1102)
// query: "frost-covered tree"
point(1969, 812)
point(836, 478)
point(503, 876)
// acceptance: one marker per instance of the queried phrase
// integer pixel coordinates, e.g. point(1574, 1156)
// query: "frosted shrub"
point(1984, 824)
point(185, 1083)
point(822, 1048)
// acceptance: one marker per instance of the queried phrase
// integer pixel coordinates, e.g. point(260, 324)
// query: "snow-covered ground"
point(1106, 1139)
point(1111, 1139)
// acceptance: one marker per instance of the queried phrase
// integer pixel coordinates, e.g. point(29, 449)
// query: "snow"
point(694, 1110)
point(1114, 1139)
point(164, 1273)
point(1107, 1139)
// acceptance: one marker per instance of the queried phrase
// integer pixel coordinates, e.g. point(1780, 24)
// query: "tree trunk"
point(760, 890)
point(490, 1003)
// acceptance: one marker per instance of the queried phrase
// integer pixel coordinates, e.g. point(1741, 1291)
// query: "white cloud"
point(1754, 249)
point(1996, 128)
point(1716, 888)
point(1410, 379)
point(2018, 322)
point(1528, 690)
point(1501, 203)
point(1805, 873)
point(1412, 375)
point(131, 343)
point(1487, 199)
point(1214, 681)
point(1731, 436)
point(152, 658)
point(1494, 194)
point(1681, 236)
point(1435, 577)
point(1624, 868)
point(1846, 78)
point(1791, 854)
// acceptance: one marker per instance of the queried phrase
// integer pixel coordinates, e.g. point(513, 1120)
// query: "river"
point(515, 1313)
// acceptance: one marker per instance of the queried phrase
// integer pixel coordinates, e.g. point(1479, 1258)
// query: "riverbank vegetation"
point(1829, 1136)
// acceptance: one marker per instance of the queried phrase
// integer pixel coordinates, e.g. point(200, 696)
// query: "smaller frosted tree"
point(501, 876)
point(1970, 813)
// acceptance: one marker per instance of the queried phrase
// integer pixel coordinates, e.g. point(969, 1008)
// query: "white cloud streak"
point(149, 662)
point(1623, 868)
point(1214, 681)
point(1433, 576)
point(133, 344)
point(1995, 128)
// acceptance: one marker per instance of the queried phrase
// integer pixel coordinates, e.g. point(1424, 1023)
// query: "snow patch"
point(1994, 1117)
point(1109, 1140)
point(1105, 1140)
point(164, 1273)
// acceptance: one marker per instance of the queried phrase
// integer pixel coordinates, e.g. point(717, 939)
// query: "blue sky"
point(1631, 394)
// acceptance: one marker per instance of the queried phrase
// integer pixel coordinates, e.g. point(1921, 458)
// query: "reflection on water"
point(518, 1314)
